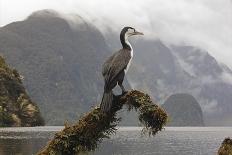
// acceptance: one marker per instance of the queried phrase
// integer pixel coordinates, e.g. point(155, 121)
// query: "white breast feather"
point(129, 63)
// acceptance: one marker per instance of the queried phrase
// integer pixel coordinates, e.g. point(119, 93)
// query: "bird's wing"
point(106, 65)
point(117, 64)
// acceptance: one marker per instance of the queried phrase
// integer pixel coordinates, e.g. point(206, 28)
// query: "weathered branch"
point(226, 147)
point(95, 125)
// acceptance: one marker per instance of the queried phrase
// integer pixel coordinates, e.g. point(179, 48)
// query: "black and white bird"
point(116, 66)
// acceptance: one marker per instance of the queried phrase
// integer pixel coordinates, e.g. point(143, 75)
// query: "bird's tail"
point(107, 101)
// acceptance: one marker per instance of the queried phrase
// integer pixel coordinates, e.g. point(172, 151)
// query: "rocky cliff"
point(61, 57)
point(183, 110)
point(16, 107)
point(60, 60)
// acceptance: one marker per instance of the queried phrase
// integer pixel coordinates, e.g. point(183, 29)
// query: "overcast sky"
point(203, 23)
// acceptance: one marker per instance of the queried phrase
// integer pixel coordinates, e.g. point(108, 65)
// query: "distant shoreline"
point(121, 128)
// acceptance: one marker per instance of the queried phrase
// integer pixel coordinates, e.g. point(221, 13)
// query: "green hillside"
point(16, 107)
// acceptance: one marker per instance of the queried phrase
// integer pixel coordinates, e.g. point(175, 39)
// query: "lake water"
point(127, 141)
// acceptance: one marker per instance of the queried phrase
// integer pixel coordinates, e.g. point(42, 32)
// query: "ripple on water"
point(127, 141)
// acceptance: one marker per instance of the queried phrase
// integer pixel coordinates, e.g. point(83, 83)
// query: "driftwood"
point(226, 147)
point(95, 125)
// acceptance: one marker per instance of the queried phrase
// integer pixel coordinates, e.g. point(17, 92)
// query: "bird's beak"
point(138, 33)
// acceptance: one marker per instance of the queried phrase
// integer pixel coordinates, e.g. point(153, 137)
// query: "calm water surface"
point(127, 141)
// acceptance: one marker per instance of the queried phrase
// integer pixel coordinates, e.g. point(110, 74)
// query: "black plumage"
point(114, 68)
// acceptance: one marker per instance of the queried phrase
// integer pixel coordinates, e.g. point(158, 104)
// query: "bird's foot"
point(124, 92)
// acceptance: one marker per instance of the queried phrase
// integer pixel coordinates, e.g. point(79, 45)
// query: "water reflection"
point(127, 141)
point(21, 146)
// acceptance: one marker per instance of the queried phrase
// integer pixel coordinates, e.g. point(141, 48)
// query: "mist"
point(202, 23)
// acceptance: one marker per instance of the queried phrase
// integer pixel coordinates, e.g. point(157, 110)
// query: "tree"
point(96, 125)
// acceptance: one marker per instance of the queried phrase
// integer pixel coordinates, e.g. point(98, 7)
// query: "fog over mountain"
point(200, 23)
point(61, 65)
point(166, 70)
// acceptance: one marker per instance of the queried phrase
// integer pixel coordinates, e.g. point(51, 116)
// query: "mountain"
point(183, 110)
point(162, 69)
point(16, 107)
point(212, 83)
point(60, 61)
point(183, 69)
point(60, 57)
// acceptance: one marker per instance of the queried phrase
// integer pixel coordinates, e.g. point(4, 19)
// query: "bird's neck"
point(125, 42)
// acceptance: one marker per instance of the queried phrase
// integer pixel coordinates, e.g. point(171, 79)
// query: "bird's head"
point(129, 31)
point(125, 34)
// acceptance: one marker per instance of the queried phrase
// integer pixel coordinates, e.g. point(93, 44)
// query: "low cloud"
point(202, 23)
point(227, 77)
point(209, 106)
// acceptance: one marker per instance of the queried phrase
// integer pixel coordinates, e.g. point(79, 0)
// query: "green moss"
point(6, 118)
point(16, 107)
point(85, 135)
point(226, 147)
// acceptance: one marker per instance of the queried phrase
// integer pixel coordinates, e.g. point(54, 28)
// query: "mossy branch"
point(226, 147)
point(95, 125)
